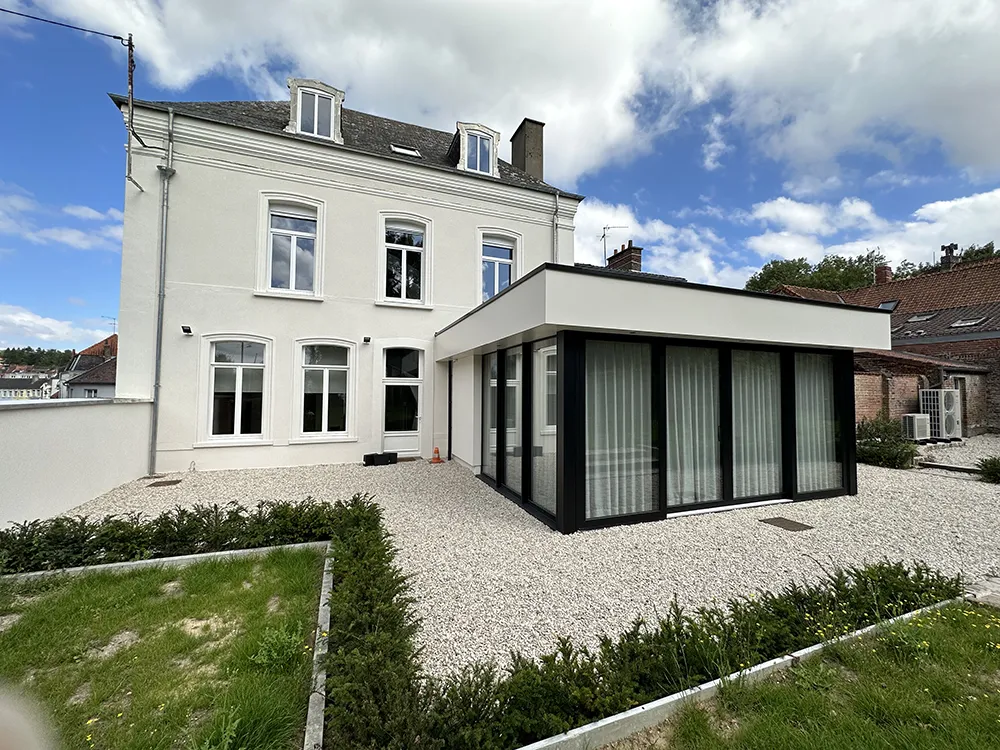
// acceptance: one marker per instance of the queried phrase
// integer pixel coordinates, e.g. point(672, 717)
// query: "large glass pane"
point(393, 273)
point(224, 401)
point(324, 354)
point(512, 407)
point(252, 405)
point(620, 461)
point(543, 426)
point(404, 236)
point(305, 261)
point(484, 155)
point(245, 352)
point(281, 260)
point(816, 424)
point(324, 116)
point(496, 251)
point(489, 415)
point(413, 261)
point(489, 279)
point(756, 423)
point(692, 429)
point(336, 414)
point(293, 223)
point(307, 115)
point(402, 363)
point(472, 161)
point(312, 401)
point(503, 273)
point(401, 408)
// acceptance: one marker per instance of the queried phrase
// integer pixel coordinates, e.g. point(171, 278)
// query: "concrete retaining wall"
point(57, 454)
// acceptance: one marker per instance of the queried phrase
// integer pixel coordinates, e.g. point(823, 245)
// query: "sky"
point(722, 133)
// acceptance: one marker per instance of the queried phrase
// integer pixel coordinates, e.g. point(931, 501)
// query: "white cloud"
point(715, 146)
point(889, 179)
point(103, 239)
point(697, 253)
point(91, 214)
point(808, 185)
point(973, 219)
point(20, 326)
point(807, 218)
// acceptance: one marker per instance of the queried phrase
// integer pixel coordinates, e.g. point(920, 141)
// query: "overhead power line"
point(60, 23)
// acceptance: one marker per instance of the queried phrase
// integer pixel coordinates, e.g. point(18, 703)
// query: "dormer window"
point(477, 148)
point(478, 153)
point(315, 109)
point(315, 114)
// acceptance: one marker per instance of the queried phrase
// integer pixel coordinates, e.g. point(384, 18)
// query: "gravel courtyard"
point(966, 453)
point(489, 578)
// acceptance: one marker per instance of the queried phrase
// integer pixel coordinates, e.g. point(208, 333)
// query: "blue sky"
point(723, 134)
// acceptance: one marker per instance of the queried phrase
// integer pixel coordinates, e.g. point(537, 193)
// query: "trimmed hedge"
point(379, 697)
point(66, 542)
point(989, 469)
point(881, 443)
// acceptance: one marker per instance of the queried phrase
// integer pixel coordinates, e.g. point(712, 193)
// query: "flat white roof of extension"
point(557, 297)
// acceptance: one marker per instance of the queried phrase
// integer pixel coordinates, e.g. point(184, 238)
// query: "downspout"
point(166, 172)
point(555, 231)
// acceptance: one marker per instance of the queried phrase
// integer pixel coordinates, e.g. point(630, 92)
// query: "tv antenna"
point(114, 323)
point(604, 237)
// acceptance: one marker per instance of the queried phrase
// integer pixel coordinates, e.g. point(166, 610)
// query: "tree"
point(834, 272)
point(44, 359)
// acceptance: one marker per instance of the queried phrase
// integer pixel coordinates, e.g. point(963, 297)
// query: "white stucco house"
point(307, 284)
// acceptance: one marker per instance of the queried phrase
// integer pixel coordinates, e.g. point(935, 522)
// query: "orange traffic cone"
point(437, 457)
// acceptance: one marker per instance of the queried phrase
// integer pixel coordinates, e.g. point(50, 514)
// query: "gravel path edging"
point(179, 561)
point(948, 467)
point(316, 715)
point(618, 727)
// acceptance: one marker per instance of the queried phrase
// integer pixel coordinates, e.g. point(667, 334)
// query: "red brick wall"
point(867, 395)
point(902, 393)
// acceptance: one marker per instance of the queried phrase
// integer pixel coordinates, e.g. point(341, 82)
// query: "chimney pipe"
point(526, 148)
point(629, 258)
point(948, 259)
point(883, 275)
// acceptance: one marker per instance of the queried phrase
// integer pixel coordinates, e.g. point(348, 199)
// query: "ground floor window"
point(237, 384)
point(816, 440)
point(756, 423)
point(325, 377)
point(489, 420)
point(544, 424)
point(694, 473)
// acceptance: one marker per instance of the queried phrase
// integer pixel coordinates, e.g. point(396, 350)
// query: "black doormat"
point(165, 483)
point(786, 523)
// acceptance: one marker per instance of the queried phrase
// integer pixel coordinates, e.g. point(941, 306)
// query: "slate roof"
point(362, 132)
point(83, 362)
point(941, 323)
point(626, 272)
point(103, 374)
point(876, 360)
point(965, 285)
point(804, 292)
point(20, 384)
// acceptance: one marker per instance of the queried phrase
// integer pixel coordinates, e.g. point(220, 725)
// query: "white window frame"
point(549, 351)
point(299, 436)
point(388, 219)
point(206, 389)
point(499, 238)
point(318, 95)
point(465, 129)
point(90, 393)
point(288, 204)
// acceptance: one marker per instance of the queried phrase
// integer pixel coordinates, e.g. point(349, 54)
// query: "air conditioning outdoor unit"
point(917, 427)
point(945, 410)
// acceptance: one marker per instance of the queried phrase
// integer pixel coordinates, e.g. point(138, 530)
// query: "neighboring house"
point(22, 388)
point(951, 314)
point(339, 284)
point(97, 382)
point(85, 361)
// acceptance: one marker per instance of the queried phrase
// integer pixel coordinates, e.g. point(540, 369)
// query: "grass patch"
point(213, 656)
point(932, 682)
point(378, 695)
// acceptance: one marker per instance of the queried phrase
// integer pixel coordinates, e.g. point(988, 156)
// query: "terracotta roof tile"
point(106, 348)
point(966, 284)
point(804, 292)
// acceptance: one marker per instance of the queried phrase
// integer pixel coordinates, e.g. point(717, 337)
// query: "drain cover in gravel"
point(786, 523)
point(165, 483)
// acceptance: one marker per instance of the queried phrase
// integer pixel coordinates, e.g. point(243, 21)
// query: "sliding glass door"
point(694, 473)
point(816, 434)
point(756, 424)
point(512, 420)
point(620, 465)
point(489, 420)
point(544, 424)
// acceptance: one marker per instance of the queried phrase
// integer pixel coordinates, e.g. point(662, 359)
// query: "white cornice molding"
point(287, 152)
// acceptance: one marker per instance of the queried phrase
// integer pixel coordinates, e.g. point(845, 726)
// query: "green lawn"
point(933, 682)
point(164, 658)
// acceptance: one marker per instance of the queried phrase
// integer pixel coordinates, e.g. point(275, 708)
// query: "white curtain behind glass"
point(490, 415)
point(692, 382)
point(815, 424)
point(619, 462)
point(756, 423)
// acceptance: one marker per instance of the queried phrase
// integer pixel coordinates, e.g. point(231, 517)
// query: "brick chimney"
point(526, 148)
point(883, 275)
point(948, 259)
point(629, 258)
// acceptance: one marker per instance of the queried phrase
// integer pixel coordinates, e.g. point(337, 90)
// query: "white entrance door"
point(401, 387)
